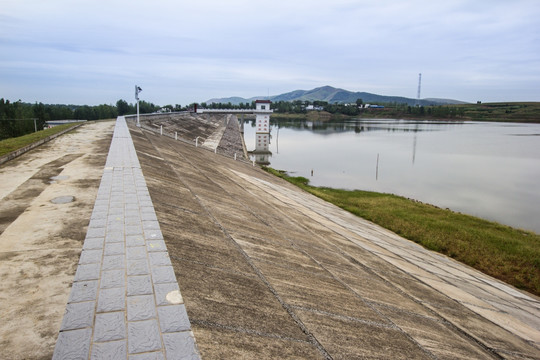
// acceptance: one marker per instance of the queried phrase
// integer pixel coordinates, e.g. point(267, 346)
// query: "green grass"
point(509, 254)
point(12, 144)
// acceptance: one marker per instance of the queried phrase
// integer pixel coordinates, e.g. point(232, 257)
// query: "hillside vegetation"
point(502, 112)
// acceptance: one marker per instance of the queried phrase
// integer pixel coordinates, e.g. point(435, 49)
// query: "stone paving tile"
point(111, 300)
point(109, 350)
point(144, 336)
point(125, 301)
point(73, 344)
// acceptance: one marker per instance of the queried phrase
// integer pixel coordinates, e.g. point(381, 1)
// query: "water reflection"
point(262, 151)
point(482, 169)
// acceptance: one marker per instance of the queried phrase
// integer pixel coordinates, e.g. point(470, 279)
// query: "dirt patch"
point(40, 242)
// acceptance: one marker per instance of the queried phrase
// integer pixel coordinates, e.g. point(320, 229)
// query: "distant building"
point(262, 116)
point(262, 132)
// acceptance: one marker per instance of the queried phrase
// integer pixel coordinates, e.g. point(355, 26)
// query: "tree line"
point(19, 118)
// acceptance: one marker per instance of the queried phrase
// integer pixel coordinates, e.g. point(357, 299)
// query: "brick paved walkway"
point(125, 301)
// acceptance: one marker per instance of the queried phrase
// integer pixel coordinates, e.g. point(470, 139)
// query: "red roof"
point(263, 102)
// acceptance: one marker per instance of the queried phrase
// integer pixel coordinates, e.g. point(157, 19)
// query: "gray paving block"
point(153, 235)
point(132, 212)
point(147, 209)
point(160, 258)
point(134, 230)
point(180, 345)
point(74, 344)
point(99, 210)
point(141, 307)
point(112, 350)
point(132, 220)
point(163, 274)
point(173, 318)
point(136, 252)
point(113, 262)
point(156, 245)
point(147, 204)
point(113, 278)
point(116, 224)
point(91, 256)
point(110, 326)
point(78, 316)
point(131, 208)
point(131, 198)
point(117, 210)
point(138, 267)
point(143, 336)
point(139, 285)
point(114, 236)
point(98, 214)
point(93, 244)
point(114, 248)
point(134, 240)
point(97, 223)
point(95, 232)
point(150, 225)
point(83, 291)
point(113, 299)
point(147, 356)
point(87, 272)
point(162, 290)
point(116, 218)
point(148, 216)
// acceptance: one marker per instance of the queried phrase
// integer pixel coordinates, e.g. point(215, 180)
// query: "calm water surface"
point(490, 170)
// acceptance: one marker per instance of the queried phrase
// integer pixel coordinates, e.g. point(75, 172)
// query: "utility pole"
point(137, 91)
point(419, 86)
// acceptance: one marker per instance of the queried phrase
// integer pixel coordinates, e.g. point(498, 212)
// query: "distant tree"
point(122, 107)
point(359, 102)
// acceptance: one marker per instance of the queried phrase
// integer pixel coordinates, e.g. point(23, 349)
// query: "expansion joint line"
point(364, 301)
point(442, 319)
point(312, 339)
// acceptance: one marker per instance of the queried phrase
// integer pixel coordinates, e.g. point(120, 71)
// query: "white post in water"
point(137, 91)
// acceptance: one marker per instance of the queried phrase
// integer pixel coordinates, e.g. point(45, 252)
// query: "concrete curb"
point(12, 155)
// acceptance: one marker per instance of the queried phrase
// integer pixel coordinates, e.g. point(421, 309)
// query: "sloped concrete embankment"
point(219, 133)
point(268, 271)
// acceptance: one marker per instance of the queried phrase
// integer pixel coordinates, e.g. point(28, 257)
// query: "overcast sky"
point(179, 51)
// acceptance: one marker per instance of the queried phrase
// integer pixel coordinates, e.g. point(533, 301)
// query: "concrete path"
point(125, 301)
point(268, 271)
point(41, 236)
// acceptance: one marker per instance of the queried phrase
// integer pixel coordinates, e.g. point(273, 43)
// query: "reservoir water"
point(489, 170)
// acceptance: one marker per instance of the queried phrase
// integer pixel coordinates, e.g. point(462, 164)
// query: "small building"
point(262, 116)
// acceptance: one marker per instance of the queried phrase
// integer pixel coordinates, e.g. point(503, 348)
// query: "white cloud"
point(192, 51)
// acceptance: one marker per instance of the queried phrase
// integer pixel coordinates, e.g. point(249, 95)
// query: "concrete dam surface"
point(239, 264)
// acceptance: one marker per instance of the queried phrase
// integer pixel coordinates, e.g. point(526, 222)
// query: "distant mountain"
point(335, 95)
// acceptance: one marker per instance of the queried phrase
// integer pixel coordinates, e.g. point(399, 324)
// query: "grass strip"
point(508, 254)
point(13, 144)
